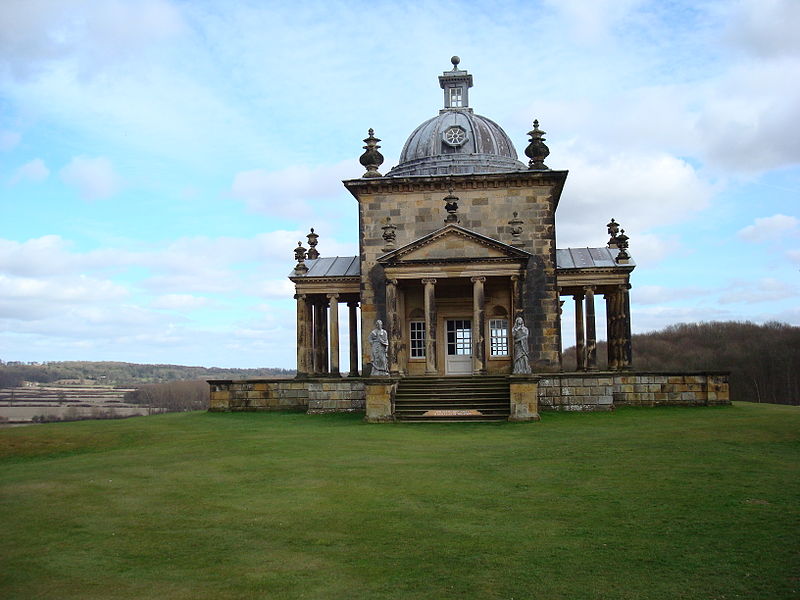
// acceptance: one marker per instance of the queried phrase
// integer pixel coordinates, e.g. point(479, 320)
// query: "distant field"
point(674, 503)
point(22, 404)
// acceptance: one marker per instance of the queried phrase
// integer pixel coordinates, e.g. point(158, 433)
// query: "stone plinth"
point(524, 393)
point(380, 392)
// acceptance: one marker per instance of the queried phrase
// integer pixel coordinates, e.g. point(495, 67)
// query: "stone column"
point(353, 324)
point(478, 326)
point(334, 338)
point(611, 329)
point(430, 327)
point(316, 358)
point(626, 360)
point(320, 336)
point(591, 330)
point(516, 299)
point(304, 366)
point(580, 349)
point(393, 326)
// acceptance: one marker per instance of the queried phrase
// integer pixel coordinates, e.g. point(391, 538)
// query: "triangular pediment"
point(453, 243)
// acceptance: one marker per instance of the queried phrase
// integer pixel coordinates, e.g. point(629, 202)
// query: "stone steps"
point(452, 399)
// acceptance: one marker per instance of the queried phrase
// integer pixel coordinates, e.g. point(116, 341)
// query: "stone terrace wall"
point(607, 390)
point(317, 395)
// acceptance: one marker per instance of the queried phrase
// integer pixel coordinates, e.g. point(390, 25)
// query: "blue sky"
point(160, 159)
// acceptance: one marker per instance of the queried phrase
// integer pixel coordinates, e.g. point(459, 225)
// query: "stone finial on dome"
point(451, 206)
point(300, 257)
point(537, 150)
point(313, 240)
point(371, 159)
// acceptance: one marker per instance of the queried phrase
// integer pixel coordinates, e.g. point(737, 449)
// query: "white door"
point(459, 347)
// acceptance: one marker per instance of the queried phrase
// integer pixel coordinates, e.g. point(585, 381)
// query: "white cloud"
point(766, 28)
point(34, 33)
point(28, 298)
point(766, 289)
point(94, 178)
point(286, 192)
point(9, 139)
point(592, 21)
point(770, 228)
point(180, 302)
point(793, 256)
point(34, 170)
point(276, 288)
point(640, 191)
point(48, 254)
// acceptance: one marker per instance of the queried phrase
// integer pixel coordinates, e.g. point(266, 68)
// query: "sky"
point(159, 159)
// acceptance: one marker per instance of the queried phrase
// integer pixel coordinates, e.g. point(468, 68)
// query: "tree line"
point(174, 396)
point(121, 374)
point(764, 360)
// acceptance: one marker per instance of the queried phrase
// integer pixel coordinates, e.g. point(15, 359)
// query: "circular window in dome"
point(454, 136)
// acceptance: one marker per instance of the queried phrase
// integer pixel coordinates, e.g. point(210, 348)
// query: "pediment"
point(453, 243)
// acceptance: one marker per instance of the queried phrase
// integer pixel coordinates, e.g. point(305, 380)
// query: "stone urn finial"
point(451, 206)
point(371, 159)
point(622, 243)
point(613, 230)
point(300, 257)
point(537, 150)
point(313, 240)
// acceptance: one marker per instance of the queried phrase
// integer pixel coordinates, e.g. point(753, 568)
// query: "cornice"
point(442, 183)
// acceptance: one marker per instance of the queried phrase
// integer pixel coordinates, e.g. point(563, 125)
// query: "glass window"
point(417, 339)
point(459, 337)
point(498, 332)
point(455, 97)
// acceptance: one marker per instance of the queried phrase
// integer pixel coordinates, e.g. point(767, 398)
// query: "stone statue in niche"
point(522, 365)
point(379, 349)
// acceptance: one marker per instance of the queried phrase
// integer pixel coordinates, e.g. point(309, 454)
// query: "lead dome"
point(457, 140)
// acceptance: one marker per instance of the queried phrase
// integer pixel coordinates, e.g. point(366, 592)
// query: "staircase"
point(459, 399)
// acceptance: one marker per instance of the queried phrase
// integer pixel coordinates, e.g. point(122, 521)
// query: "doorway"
point(459, 347)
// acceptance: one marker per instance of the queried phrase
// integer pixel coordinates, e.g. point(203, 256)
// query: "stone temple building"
point(458, 262)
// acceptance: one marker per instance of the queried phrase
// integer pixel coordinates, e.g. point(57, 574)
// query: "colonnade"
point(318, 335)
point(618, 327)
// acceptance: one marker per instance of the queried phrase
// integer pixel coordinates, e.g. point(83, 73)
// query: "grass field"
point(675, 503)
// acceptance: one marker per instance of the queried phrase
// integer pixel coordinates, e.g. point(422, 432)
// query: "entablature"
point(470, 181)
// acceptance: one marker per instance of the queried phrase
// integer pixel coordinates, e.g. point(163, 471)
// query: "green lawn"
point(641, 503)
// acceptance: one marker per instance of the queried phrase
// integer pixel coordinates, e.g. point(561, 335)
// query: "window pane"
point(417, 339)
point(455, 97)
point(498, 332)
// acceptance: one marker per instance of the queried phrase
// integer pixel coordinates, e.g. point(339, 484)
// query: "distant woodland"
point(120, 374)
point(764, 360)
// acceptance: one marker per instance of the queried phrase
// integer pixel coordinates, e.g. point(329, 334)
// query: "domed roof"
point(457, 140)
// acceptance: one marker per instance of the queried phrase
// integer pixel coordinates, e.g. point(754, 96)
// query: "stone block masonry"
point(580, 391)
point(606, 391)
point(315, 395)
